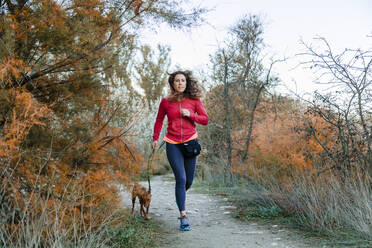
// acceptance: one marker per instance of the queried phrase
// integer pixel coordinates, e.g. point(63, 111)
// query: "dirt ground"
point(212, 225)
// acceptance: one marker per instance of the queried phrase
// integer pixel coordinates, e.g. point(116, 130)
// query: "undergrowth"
point(133, 233)
point(296, 210)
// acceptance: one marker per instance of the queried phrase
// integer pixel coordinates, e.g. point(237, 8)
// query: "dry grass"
point(329, 204)
point(44, 222)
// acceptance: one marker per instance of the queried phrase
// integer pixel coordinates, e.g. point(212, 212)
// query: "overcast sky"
point(344, 23)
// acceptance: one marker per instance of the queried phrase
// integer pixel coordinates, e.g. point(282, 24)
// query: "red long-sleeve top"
point(180, 128)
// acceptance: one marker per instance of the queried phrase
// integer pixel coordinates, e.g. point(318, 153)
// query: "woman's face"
point(179, 83)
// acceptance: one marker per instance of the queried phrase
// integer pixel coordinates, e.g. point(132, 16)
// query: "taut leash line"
point(149, 163)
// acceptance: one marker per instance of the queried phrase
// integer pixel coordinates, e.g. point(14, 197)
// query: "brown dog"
point(144, 197)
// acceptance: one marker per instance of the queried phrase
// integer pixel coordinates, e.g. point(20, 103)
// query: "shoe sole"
point(185, 229)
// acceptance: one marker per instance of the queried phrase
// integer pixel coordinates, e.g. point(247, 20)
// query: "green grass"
point(134, 232)
point(215, 188)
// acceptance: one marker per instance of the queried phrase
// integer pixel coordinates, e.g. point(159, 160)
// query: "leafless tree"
point(238, 68)
point(345, 103)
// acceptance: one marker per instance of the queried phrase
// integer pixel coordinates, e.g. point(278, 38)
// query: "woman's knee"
point(181, 181)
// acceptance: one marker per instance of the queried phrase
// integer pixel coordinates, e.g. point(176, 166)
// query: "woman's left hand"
point(185, 112)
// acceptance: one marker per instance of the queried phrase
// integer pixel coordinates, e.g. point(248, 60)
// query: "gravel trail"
point(211, 222)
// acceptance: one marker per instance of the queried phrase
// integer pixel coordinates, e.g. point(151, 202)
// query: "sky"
point(344, 23)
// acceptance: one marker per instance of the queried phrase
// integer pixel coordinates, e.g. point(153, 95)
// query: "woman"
point(183, 108)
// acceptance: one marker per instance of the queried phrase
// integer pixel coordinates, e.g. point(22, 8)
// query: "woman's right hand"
point(154, 144)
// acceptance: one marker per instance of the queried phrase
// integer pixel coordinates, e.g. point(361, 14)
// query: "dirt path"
point(211, 222)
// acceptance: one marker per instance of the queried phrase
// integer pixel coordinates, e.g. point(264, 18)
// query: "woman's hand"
point(185, 112)
point(154, 144)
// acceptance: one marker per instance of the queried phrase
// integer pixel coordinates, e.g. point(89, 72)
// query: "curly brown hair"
point(193, 90)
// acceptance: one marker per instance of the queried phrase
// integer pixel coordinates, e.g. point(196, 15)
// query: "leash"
point(149, 162)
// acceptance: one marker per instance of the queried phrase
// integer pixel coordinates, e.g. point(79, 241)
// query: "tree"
point(346, 105)
point(152, 72)
point(238, 67)
point(66, 96)
point(222, 70)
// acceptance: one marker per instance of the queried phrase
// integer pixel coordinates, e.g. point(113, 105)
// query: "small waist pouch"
point(190, 148)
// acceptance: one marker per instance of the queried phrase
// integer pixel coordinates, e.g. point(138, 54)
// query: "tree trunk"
point(250, 130)
point(227, 121)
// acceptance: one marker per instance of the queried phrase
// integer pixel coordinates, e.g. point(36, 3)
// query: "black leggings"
point(183, 170)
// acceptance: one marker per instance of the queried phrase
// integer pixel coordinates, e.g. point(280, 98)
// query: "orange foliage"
point(63, 128)
point(25, 114)
point(282, 144)
point(11, 68)
point(81, 196)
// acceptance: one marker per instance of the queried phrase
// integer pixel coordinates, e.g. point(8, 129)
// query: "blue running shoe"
point(185, 223)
